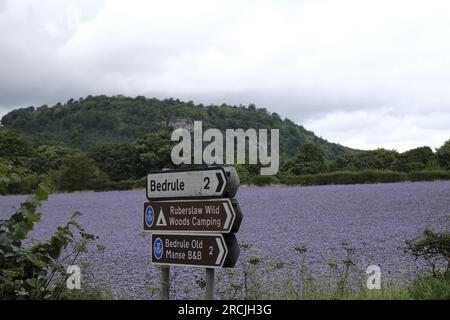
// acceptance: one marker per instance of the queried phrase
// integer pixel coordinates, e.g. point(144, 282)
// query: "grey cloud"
point(320, 63)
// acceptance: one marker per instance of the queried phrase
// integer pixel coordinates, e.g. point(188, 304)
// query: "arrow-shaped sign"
point(210, 251)
point(203, 216)
point(210, 182)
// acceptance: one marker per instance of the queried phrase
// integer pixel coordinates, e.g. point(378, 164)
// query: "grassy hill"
point(101, 119)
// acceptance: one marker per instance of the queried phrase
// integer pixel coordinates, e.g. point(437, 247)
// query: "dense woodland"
point(105, 143)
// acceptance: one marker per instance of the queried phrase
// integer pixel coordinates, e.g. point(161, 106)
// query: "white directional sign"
point(213, 182)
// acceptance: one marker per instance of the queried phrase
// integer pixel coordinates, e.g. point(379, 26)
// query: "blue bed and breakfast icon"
point(158, 248)
point(149, 216)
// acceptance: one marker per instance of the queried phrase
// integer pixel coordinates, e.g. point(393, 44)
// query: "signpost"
point(193, 217)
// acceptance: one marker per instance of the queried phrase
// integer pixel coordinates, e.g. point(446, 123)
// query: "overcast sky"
point(365, 74)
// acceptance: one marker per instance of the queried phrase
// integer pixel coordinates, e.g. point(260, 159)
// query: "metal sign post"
point(209, 284)
point(165, 282)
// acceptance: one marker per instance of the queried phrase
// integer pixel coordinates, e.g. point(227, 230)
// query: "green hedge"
point(129, 184)
point(30, 181)
point(429, 175)
point(264, 180)
point(366, 176)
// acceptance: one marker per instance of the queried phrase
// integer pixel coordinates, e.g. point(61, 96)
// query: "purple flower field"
point(376, 219)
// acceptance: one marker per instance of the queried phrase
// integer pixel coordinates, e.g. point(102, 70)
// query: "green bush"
point(28, 183)
point(434, 248)
point(429, 175)
point(124, 185)
point(245, 176)
point(366, 176)
point(8, 178)
point(308, 160)
point(430, 287)
point(443, 155)
point(35, 271)
point(79, 172)
point(129, 184)
point(264, 180)
point(140, 183)
point(348, 177)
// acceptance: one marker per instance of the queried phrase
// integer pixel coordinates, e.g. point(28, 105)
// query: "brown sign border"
point(234, 224)
point(214, 235)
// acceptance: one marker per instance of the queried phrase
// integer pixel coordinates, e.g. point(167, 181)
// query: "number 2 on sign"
point(211, 249)
point(206, 181)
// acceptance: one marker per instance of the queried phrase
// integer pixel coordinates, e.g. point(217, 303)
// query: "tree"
point(433, 247)
point(414, 159)
point(46, 158)
point(14, 148)
point(154, 152)
point(376, 159)
point(119, 161)
point(18, 119)
point(79, 172)
point(308, 160)
point(443, 155)
point(347, 161)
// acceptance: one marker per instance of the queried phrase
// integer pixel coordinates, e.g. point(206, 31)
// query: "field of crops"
point(376, 219)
